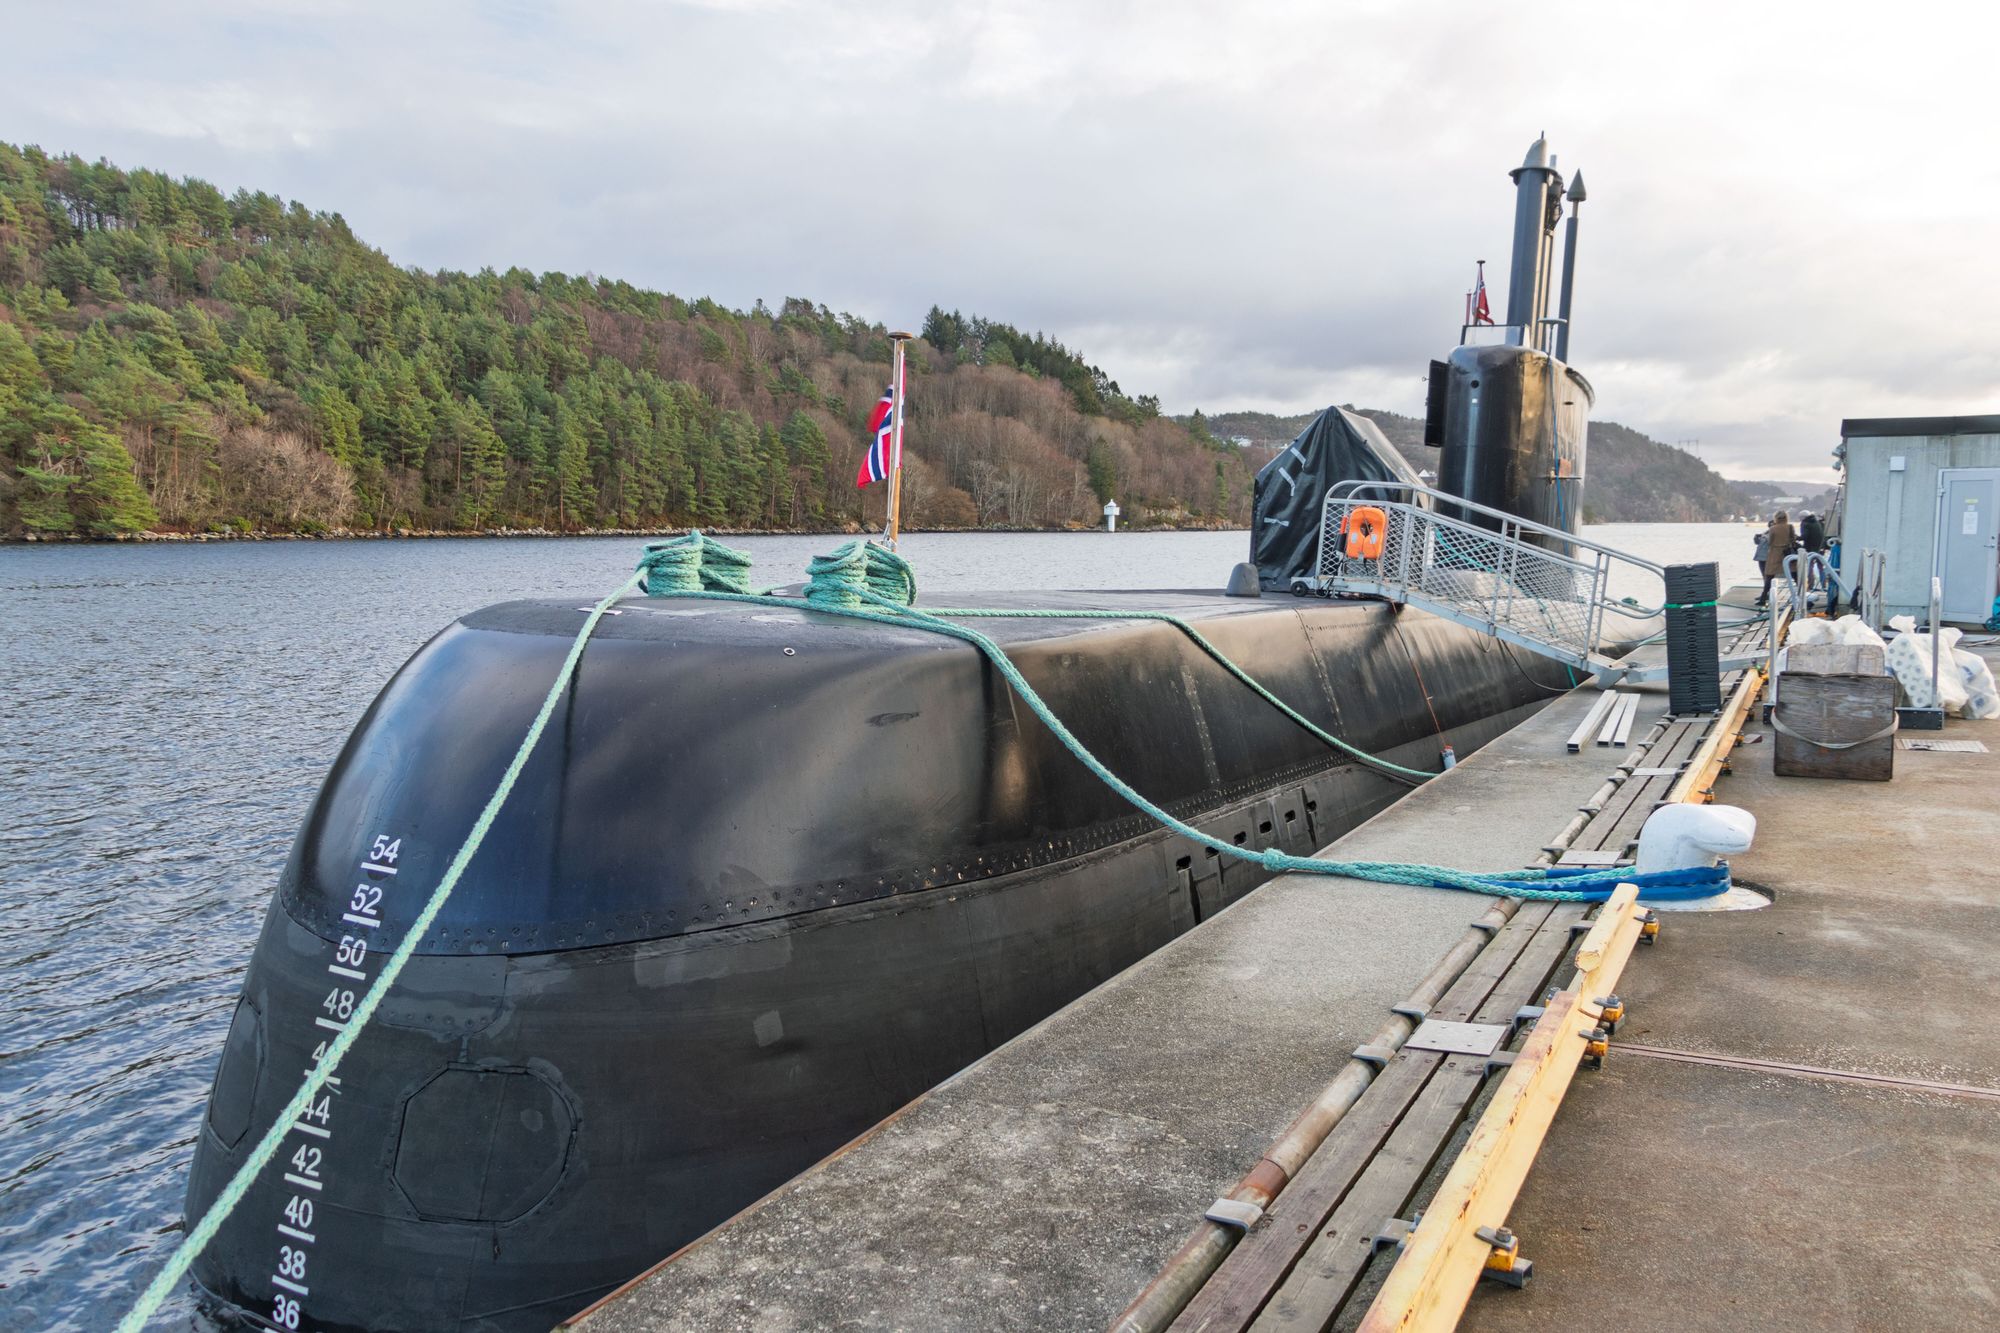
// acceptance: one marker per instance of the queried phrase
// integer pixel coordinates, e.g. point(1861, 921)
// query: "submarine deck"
point(1045, 1185)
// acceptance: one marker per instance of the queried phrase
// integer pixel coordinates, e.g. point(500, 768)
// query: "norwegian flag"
point(1481, 312)
point(884, 449)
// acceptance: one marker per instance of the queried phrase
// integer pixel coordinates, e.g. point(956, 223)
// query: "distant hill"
point(1758, 496)
point(1630, 477)
point(173, 358)
point(1259, 429)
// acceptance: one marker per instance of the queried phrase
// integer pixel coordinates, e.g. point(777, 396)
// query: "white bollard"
point(1683, 836)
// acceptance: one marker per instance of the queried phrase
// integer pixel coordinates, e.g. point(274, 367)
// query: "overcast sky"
point(1794, 211)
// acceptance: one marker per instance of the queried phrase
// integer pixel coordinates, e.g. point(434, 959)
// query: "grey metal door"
point(1969, 541)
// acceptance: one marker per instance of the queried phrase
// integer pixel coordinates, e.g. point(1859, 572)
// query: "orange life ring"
point(1365, 528)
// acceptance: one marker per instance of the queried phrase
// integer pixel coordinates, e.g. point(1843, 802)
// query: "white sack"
point(1982, 699)
point(1909, 661)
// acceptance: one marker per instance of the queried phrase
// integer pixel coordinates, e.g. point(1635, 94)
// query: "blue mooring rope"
point(862, 581)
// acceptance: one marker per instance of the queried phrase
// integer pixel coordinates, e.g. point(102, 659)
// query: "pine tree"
point(110, 500)
point(572, 474)
point(104, 284)
point(809, 458)
point(777, 479)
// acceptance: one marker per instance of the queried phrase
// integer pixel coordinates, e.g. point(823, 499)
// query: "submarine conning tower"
point(1505, 410)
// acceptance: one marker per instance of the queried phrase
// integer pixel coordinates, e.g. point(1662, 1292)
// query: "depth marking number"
point(350, 960)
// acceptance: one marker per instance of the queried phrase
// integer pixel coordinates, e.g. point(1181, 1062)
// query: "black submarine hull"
point(741, 907)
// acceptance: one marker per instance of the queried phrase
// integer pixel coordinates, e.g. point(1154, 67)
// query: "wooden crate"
point(1835, 695)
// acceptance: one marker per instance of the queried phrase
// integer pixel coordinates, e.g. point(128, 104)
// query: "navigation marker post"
point(896, 443)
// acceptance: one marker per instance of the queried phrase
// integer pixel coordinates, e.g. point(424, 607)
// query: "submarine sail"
point(1508, 415)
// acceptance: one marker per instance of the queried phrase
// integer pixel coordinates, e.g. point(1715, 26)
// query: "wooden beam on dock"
point(1441, 1263)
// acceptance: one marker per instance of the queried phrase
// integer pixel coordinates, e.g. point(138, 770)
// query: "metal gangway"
point(1539, 587)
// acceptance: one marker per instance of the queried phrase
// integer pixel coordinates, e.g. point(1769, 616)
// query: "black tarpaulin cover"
point(1285, 509)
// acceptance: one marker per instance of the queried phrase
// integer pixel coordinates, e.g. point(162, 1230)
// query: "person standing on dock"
point(1777, 545)
point(1812, 532)
point(1812, 541)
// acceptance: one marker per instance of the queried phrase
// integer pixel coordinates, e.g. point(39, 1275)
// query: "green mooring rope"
point(841, 587)
point(860, 581)
point(1222, 659)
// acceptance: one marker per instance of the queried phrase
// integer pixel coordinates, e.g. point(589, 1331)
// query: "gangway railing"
point(1533, 585)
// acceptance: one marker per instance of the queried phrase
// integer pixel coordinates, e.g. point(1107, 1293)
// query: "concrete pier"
point(1678, 1195)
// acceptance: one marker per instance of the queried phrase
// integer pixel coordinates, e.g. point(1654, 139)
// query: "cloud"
point(1265, 204)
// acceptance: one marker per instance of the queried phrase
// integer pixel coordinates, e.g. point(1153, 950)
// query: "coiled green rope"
point(694, 563)
point(856, 573)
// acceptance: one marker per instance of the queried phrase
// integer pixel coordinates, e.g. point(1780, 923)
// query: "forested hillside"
point(1629, 477)
point(171, 358)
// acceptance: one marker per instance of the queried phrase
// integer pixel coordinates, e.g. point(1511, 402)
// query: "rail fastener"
point(1596, 1045)
point(1504, 1263)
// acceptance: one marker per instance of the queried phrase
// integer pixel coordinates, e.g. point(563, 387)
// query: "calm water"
point(170, 712)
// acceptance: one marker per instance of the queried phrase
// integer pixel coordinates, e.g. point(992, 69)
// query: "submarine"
point(771, 874)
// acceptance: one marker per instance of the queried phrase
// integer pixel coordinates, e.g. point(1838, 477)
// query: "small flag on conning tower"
point(1481, 312)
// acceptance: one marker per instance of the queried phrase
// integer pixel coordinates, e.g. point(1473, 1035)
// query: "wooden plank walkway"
point(1299, 1263)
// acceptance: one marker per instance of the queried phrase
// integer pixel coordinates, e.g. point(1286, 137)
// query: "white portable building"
point(1925, 491)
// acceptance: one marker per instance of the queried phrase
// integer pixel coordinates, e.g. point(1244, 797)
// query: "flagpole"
point(896, 444)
